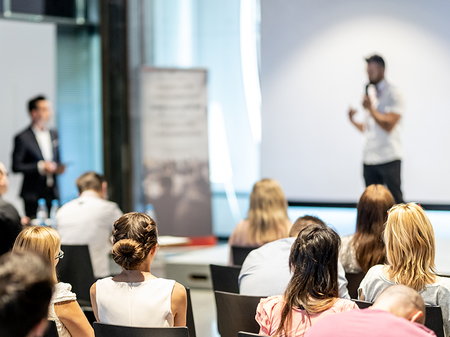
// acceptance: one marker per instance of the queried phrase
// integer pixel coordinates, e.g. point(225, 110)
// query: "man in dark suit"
point(36, 155)
point(10, 224)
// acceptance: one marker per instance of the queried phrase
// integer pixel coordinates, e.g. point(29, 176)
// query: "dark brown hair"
point(372, 215)
point(89, 181)
point(134, 235)
point(314, 283)
point(26, 287)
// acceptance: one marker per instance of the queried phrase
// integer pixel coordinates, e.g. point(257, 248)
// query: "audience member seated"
point(410, 251)
point(88, 220)
point(266, 272)
point(364, 249)
point(26, 286)
point(385, 318)
point(135, 297)
point(313, 292)
point(10, 224)
point(267, 218)
point(64, 309)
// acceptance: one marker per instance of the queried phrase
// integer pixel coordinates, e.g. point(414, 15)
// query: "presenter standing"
point(381, 129)
point(36, 155)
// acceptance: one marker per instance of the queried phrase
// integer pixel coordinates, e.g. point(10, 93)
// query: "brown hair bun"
point(128, 253)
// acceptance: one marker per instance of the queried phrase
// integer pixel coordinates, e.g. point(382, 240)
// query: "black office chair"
point(362, 304)
point(76, 268)
point(434, 321)
point(239, 254)
point(190, 314)
point(109, 330)
point(236, 313)
point(225, 278)
point(51, 330)
point(354, 280)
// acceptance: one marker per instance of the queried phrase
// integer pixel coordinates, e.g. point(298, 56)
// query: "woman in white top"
point(410, 251)
point(135, 297)
point(64, 309)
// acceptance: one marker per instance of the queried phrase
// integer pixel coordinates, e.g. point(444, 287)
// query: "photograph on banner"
point(174, 133)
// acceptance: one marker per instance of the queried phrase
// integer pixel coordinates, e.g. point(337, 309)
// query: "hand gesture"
point(367, 104)
point(351, 113)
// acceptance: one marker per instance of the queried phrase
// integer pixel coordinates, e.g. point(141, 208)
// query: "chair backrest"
point(225, 278)
point(109, 330)
point(362, 304)
point(190, 314)
point(236, 313)
point(76, 268)
point(247, 334)
point(51, 330)
point(433, 320)
point(240, 253)
point(354, 280)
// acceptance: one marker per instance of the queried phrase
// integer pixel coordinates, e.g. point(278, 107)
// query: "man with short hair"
point(398, 311)
point(10, 222)
point(89, 219)
point(26, 287)
point(381, 129)
point(36, 155)
point(265, 271)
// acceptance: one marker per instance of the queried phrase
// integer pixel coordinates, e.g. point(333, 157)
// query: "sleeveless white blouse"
point(62, 293)
point(139, 304)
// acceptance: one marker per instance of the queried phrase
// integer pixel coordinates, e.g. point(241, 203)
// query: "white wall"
point(313, 68)
point(27, 68)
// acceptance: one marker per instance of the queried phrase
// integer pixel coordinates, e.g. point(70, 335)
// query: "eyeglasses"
point(60, 255)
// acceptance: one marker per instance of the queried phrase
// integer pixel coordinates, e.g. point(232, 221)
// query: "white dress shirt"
point(380, 146)
point(44, 141)
point(88, 220)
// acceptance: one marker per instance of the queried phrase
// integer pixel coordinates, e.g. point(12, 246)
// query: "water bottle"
point(150, 211)
point(42, 212)
point(53, 210)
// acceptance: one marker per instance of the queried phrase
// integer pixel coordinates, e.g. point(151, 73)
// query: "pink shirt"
point(268, 315)
point(368, 323)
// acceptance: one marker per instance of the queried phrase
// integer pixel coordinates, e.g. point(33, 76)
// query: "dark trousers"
point(32, 204)
point(386, 174)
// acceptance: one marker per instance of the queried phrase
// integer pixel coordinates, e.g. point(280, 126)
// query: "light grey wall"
point(27, 69)
point(313, 68)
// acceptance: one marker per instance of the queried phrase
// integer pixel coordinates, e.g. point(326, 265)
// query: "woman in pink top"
point(313, 292)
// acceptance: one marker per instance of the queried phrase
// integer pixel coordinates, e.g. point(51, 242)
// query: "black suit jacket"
point(26, 155)
point(10, 226)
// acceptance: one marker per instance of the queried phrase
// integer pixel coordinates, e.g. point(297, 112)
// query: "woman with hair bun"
point(135, 297)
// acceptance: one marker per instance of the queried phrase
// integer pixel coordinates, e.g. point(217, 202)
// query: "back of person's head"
point(372, 215)
point(402, 301)
point(90, 181)
point(314, 263)
point(26, 286)
point(134, 236)
point(410, 246)
point(32, 103)
point(268, 213)
point(41, 240)
point(302, 222)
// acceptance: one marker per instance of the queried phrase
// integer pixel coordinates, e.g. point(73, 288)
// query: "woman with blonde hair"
point(364, 249)
point(410, 252)
point(135, 297)
point(267, 218)
point(312, 292)
point(64, 309)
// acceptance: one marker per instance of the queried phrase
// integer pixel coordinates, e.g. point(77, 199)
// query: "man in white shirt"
point(36, 155)
point(381, 129)
point(88, 220)
point(265, 271)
